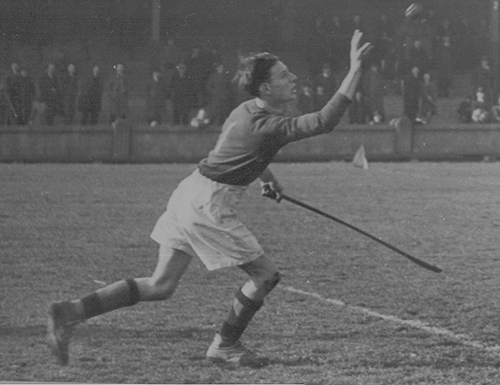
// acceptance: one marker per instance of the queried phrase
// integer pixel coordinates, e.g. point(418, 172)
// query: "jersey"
point(253, 134)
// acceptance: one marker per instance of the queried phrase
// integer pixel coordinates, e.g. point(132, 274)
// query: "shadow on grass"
point(22, 331)
point(110, 332)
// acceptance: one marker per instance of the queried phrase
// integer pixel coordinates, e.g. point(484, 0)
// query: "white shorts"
point(201, 220)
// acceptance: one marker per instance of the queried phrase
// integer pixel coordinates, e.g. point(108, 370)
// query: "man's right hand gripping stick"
point(267, 190)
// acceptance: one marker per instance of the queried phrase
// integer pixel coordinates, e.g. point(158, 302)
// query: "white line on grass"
point(462, 338)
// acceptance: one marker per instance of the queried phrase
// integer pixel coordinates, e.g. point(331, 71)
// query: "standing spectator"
point(318, 47)
point(69, 86)
point(411, 94)
point(429, 95)
point(183, 95)
point(383, 40)
point(305, 99)
point(445, 66)
point(4, 103)
point(403, 62)
point(210, 58)
point(373, 86)
point(327, 80)
point(50, 95)
point(27, 91)
point(339, 43)
point(419, 57)
point(320, 98)
point(119, 91)
point(468, 49)
point(483, 77)
point(358, 113)
point(171, 55)
point(13, 93)
point(465, 110)
point(432, 27)
point(156, 91)
point(90, 100)
point(220, 95)
point(495, 112)
point(195, 70)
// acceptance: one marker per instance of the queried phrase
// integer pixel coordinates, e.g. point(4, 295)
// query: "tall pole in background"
point(154, 53)
point(155, 20)
point(495, 42)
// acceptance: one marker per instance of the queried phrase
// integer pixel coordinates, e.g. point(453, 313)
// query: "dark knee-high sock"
point(117, 295)
point(240, 315)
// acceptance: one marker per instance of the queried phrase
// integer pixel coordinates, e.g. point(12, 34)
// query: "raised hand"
point(358, 51)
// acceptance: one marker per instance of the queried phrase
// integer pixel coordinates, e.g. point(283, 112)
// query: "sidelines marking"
point(462, 338)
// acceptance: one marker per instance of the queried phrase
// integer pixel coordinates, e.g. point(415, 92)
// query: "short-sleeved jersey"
point(253, 134)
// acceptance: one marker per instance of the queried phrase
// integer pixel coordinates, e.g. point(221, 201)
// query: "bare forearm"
point(267, 176)
point(350, 83)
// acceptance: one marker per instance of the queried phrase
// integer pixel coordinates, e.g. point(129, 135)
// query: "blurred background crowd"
point(76, 62)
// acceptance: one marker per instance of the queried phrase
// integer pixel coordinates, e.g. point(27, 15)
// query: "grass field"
point(348, 310)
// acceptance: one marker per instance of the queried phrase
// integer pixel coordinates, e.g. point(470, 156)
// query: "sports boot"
point(60, 326)
point(234, 354)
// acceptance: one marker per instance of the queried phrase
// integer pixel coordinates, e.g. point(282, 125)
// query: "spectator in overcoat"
point(69, 86)
point(90, 99)
point(445, 66)
point(13, 93)
point(50, 94)
point(383, 37)
point(373, 86)
point(4, 104)
point(483, 77)
point(419, 57)
point(464, 110)
point(183, 95)
point(195, 64)
point(429, 95)
point(411, 94)
point(318, 49)
point(27, 90)
point(358, 113)
point(119, 92)
point(495, 112)
point(156, 97)
point(220, 95)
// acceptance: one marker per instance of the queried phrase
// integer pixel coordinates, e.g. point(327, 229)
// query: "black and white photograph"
point(250, 192)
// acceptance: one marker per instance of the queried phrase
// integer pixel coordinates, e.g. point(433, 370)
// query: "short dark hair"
point(255, 70)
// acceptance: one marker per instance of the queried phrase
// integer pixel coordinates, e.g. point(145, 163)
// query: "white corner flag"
point(360, 159)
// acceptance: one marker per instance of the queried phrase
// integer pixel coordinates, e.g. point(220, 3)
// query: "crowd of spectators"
point(415, 58)
point(418, 58)
point(179, 86)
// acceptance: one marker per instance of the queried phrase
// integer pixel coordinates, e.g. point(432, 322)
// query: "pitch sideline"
point(462, 338)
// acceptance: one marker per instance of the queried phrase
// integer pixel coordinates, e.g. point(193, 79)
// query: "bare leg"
point(160, 286)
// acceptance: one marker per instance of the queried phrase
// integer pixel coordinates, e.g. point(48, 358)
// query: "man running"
point(201, 215)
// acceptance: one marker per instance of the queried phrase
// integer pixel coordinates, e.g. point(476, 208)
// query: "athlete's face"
point(281, 85)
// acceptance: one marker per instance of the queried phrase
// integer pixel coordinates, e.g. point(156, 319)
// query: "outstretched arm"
point(358, 53)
